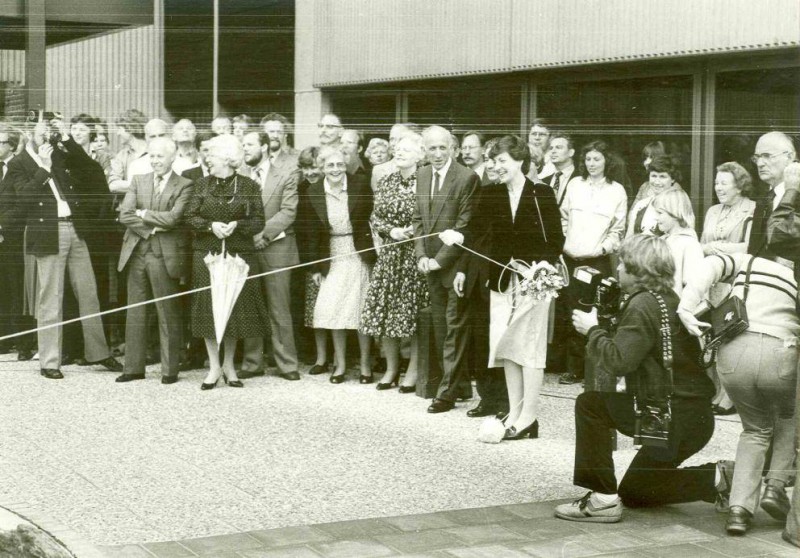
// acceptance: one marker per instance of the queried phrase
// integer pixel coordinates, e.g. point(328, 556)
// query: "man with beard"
point(277, 250)
point(280, 153)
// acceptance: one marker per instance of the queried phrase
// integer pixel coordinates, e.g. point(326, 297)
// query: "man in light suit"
point(444, 201)
point(155, 250)
point(277, 249)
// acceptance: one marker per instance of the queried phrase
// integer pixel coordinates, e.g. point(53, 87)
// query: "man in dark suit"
point(352, 141)
point(277, 250)
point(62, 187)
point(444, 201)
point(200, 170)
point(474, 275)
point(774, 151)
point(155, 250)
point(12, 265)
point(560, 152)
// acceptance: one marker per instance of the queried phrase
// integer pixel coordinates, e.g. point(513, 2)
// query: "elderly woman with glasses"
point(225, 212)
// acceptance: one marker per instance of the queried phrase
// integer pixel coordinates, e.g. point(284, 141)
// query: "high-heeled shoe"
point(362, 379)
point(337, 378)
point(408, 389)
point(389, 385)
point(530, 431)
point(231, 383)
point(204, 386)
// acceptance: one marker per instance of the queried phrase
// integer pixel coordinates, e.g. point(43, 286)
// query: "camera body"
point(54, 139)
point(602, 293)
point(652, 423)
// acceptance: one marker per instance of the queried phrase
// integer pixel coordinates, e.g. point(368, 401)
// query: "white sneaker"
point(584, 510)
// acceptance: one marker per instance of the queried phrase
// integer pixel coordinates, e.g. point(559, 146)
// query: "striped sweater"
point(771, 302)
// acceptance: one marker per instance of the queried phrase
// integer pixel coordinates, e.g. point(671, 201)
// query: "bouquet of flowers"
point(540, 281)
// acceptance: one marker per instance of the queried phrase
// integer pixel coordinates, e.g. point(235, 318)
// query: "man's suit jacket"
point(451, 208)
point(12, 216)
point(317, 229)
point(286, 160)
point(80, 179)
point(564, 181)
point(165, 212)
point(280, 198)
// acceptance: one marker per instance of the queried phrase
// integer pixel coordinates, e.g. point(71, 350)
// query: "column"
point(310, 103)
point(35, 55)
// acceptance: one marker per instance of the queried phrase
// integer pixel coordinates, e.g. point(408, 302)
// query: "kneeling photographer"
point(668, 405)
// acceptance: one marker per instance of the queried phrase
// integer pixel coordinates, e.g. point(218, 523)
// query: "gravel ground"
point(143, 462)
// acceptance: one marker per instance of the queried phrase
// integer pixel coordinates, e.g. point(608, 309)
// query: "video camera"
point(596, 291)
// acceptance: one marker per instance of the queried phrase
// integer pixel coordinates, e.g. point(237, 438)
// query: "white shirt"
point(779, 190)
point(563, 180)
point(181, 164)
point(264, 166)
point(5, 167)
point(442, 172)
point(593, 218)
point(61, 204)
point(479, 170)
point(514, 195)
point(329, 189)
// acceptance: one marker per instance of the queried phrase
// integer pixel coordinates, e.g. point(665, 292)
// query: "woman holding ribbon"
point(518, 224)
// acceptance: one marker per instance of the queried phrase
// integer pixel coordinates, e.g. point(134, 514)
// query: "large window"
point(627, 114)
point(488, 106)
point(749, 103)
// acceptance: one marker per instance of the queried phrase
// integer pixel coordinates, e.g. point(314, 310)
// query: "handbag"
point(728, 319)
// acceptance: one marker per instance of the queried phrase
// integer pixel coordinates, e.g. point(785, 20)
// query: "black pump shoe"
point(338, 378)
point(531, 431)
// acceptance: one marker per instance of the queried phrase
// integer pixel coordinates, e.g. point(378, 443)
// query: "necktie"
point(159, 186)
point(259, 178)
point(436, 184)
point(556, 183)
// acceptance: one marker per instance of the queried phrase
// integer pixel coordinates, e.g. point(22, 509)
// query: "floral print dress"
point(398, 290)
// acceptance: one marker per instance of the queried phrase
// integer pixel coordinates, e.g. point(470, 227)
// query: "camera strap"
point(665, 331)
point(666, 339)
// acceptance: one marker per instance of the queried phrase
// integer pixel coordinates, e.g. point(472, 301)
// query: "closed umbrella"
point(228, 274)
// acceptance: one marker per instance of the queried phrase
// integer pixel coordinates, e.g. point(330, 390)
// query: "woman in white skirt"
point(337, 227)
point(517, 224)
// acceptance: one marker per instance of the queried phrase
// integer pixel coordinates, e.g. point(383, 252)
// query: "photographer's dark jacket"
point(635, 347)
point(80, 179)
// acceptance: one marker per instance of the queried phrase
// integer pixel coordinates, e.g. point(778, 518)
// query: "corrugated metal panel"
point(12, 66)
point(107, 74)
point(385, 40)
point(371, 41)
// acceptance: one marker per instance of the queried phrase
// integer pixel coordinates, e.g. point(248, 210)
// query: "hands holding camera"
point(584, 321)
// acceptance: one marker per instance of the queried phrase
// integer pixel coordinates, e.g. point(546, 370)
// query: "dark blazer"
point(194, 173)
point(451, 209)
point(316, 227)
point(82, 182)
point(173, 242)
point(12, 216)
point(532, 236)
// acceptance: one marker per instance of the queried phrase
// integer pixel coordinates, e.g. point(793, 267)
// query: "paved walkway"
point(305, 469)
point(521, 530)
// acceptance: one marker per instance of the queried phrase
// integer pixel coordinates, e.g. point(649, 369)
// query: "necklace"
point(221, 184)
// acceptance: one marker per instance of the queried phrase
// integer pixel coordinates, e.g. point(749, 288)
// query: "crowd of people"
point(423, 227)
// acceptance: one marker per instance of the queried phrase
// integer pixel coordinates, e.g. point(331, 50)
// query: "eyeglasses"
point(766, 156)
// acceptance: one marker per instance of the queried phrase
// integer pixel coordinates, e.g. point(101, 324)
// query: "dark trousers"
point(490, 382)
point(653, 478)
point(451, 333)
point(575, 342)
point(12, 278)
